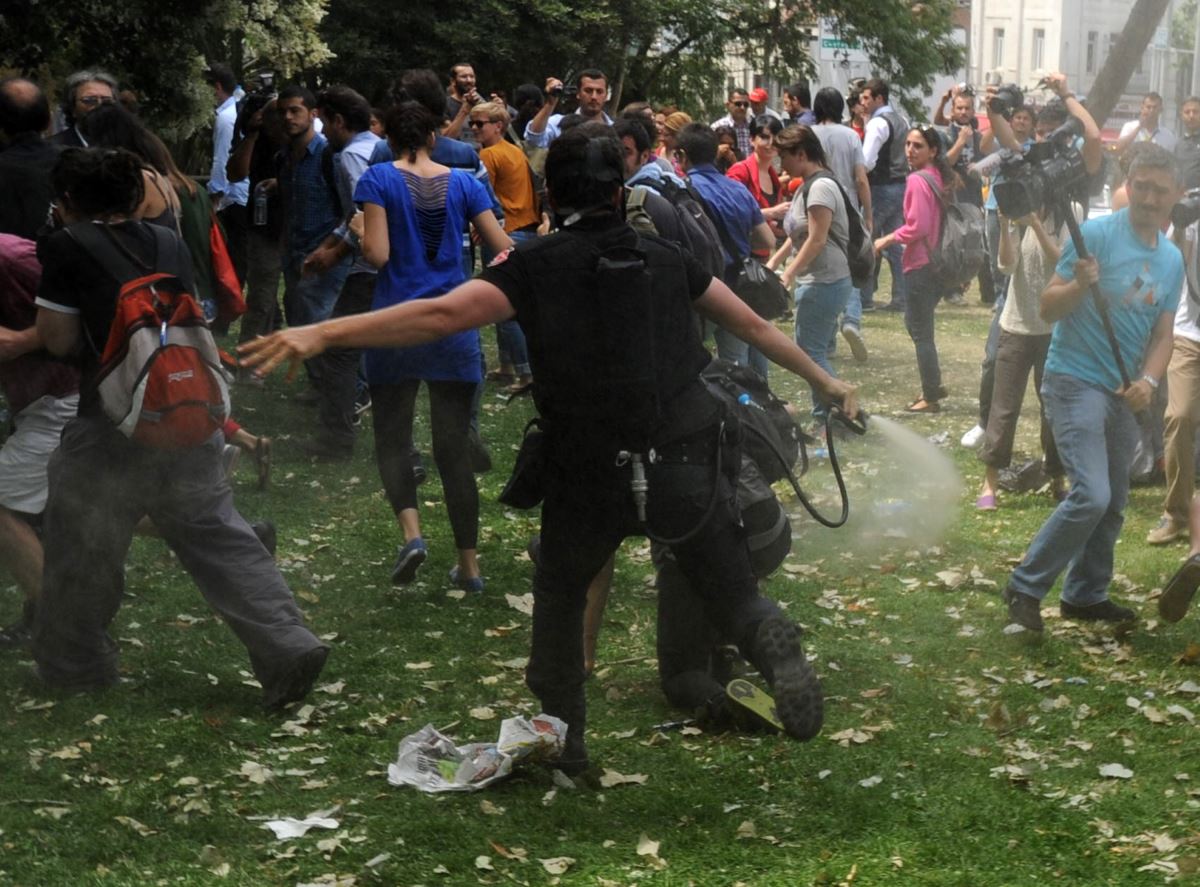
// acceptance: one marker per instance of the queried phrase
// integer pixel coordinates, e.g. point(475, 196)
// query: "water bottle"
point(745, 400)
point(260, 204)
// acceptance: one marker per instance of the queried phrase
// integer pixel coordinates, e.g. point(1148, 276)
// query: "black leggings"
point(449, 415)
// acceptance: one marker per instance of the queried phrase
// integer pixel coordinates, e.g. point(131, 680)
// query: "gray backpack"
point(961, 250)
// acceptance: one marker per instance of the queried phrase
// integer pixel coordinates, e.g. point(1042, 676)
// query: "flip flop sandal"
point(921, 405)
point(262, 461)
point(498, 376)
point(1177, 596)
point(520, 388)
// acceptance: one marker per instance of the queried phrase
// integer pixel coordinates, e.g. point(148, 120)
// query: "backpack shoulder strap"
point(933, 186)
point(97, 242)
point(635, 198)
point(718, 223)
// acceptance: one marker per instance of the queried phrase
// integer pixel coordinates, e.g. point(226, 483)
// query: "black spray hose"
point(858, 426)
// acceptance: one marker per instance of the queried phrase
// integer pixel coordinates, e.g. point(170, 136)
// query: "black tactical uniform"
point(612, 343)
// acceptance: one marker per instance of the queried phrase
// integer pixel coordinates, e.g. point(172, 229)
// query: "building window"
point(1093, 44)
point(1037, 62)
point(997, 47)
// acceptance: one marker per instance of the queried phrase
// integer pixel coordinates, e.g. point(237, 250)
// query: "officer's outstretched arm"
point(468, 306)
point(720, 305)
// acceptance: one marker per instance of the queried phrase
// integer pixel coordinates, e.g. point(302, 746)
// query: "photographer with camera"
point(592, 93)
point(461, 97)
point(966, 147)
point(1108, 313)
point(614, 382)
point(1016, 133)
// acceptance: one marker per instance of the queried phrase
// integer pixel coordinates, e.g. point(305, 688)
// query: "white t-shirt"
point(1021, 310)
point(1161, 136)
point(1187, 317)
point(830, 265)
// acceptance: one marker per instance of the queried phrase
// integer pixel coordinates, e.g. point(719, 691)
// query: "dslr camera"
point(1048, 173)
point(1006, 100)
point(1187, 210)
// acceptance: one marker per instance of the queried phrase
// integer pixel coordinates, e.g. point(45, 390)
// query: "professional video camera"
point(261, 95)
point(1186, 210)
point(1048, 173)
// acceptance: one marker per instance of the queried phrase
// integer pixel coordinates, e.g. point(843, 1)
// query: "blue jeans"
point(887, 208)
point(309, 298)
point(510, 338)
point(924, 292)
point(1095, 433)
point(852, 314)
point(817, 308)
point(730, 347)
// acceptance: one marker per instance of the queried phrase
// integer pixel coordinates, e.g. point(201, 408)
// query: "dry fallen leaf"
point(746, 830)
point(646, 847)
point(483, 713)
point(484, 863)
point(1116, 771)
point(142, 829)
point(557, 865)
point(1190, 656)
point(612, 778)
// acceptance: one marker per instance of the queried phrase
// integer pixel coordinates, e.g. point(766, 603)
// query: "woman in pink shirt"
point(920, 232)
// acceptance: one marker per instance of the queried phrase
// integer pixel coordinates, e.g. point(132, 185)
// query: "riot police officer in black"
point(616, 356)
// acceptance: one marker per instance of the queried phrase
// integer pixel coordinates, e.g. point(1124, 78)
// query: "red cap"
point(758, 94)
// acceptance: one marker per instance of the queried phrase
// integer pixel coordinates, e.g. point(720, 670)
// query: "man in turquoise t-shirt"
point(1140, 274)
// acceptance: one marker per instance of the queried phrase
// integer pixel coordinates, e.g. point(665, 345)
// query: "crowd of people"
point(610, 248)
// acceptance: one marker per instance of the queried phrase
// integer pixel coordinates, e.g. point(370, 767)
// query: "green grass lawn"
point(951, 754)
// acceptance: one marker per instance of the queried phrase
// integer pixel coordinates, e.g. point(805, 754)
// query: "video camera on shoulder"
point(1048, 173)
point(252, 102)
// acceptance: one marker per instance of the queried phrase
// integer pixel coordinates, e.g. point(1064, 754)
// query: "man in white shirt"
point(1146, 128)
point(887, 169)
point(592, 94)
point(229, 198)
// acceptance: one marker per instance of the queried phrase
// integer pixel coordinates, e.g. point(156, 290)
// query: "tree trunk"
point(1123, 57)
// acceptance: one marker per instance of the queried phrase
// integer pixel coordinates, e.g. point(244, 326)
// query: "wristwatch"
point(1151, 381)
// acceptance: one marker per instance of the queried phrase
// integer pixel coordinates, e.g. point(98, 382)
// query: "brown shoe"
point(1167, 531)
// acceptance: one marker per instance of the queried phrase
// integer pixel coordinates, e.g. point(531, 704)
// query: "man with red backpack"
point(116, 294)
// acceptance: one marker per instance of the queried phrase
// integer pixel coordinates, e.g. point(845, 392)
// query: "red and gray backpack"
point(160, 379)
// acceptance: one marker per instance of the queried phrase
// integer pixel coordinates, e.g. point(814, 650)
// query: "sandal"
point(921, 405)
point(262, 461)
point(501, 376)
point(519, 388)
point(1180, 590)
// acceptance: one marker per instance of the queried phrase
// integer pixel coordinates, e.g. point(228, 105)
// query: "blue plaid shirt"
point(310, 204)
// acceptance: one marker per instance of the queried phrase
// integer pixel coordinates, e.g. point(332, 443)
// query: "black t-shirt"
point(264, 165)
point(25, 183)
point(75, 282)
point(540, 277)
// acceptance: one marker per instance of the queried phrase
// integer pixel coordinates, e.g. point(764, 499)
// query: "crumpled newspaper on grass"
point(430, 761)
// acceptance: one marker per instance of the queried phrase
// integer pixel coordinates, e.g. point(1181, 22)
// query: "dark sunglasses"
point(479, 124)
point(740, 104)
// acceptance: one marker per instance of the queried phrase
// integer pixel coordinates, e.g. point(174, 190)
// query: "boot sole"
point(799, 704)
point(1177, 596)
point(406, 570)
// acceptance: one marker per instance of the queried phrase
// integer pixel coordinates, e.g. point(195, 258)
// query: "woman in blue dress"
point(414, 215)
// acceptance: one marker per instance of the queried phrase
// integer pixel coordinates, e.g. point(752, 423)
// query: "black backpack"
point(860, 250)
point(961, 250)
point(697, 230)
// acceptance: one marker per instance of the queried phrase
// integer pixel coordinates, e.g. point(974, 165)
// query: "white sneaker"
point(972, 438)
point(855, 340)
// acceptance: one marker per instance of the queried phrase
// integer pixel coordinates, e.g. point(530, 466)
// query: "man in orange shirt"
point(512, 181)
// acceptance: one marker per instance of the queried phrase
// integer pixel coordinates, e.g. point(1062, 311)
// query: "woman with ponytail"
point(920, 233)
point(414, 213)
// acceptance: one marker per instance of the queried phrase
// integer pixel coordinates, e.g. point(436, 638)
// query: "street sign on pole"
point(832, 48)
